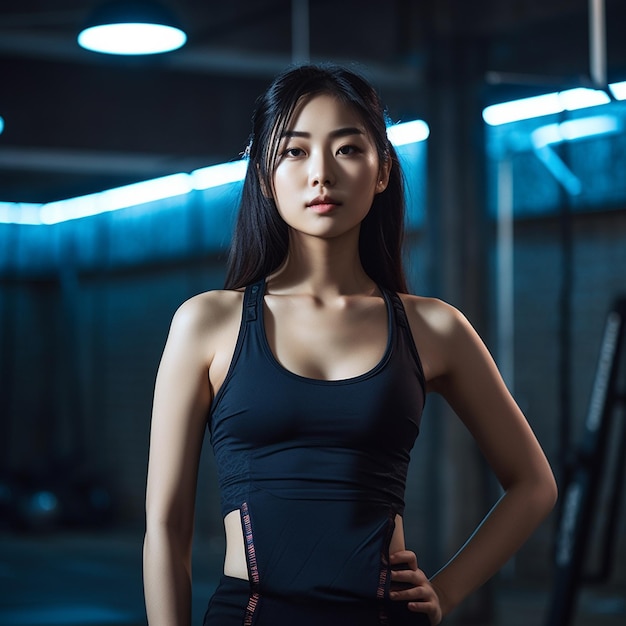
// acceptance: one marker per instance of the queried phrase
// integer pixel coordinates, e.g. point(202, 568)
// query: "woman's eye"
point(347, 150)
point(293, 152)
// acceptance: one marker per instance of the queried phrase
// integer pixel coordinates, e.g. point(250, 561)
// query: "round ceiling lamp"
point(132, 28)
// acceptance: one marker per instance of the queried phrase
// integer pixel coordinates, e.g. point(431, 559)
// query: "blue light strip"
point(20, 213)
point(216, 175)
point(160, 188)
point(550, 103)
point(618, 90)
point(115, 199)
point(408, 132)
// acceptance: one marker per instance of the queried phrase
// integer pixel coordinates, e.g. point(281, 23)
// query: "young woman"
point(311, 370)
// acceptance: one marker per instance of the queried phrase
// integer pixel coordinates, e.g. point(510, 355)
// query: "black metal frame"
point(599, 462)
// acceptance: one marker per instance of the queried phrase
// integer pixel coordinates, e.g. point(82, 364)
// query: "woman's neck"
point(322, 267)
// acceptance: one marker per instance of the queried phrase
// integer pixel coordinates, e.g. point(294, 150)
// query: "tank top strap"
point(399, 313)
point(252, 300)
point(404, 334)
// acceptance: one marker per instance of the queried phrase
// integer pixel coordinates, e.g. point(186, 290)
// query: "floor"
point(94, 579)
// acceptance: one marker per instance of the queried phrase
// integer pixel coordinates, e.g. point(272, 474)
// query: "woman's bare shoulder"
point(433, 315)
point(439, 331)
point(207, 312)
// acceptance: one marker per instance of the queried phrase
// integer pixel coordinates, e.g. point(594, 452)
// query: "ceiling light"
point(408, 132)
point(221, 174)
point(618, 90)
point(117, 198)
point(132, 28)
point(550, 103)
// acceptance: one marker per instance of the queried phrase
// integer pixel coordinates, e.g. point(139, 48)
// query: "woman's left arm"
point(464, 373)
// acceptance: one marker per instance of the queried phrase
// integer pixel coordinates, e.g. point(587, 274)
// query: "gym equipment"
point(593, 485)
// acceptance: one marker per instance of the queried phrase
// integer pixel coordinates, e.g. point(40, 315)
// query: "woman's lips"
point(323, 204)
point(323, 207)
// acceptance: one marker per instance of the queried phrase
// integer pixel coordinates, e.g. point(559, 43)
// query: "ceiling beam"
point(200, 59)
point(95, 162)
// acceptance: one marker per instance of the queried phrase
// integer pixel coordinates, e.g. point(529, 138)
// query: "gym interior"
point(119, 181)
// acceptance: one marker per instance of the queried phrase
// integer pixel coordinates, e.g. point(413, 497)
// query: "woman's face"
point(327, 169)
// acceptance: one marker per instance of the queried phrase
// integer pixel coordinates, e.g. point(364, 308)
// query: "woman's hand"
point(411, 585)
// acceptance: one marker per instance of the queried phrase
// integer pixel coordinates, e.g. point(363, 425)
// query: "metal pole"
point(505, 289)
point(597, 43)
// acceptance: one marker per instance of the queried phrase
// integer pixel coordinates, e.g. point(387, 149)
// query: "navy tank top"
point(317, 468)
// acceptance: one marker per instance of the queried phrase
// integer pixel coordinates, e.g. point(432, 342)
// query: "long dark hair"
point(261, 238)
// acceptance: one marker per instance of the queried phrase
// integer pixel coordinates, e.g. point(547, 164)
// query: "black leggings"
point(233, 604)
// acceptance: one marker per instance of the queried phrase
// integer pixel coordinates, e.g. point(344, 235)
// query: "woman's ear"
point(383, 175)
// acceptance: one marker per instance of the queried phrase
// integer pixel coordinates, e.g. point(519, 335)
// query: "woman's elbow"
point(537, 491)
point(173, 527)
point(545, 493)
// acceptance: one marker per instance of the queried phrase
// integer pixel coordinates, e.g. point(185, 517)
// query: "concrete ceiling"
point(78, 122)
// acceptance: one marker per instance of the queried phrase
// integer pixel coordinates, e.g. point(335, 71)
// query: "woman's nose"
point(321, 172)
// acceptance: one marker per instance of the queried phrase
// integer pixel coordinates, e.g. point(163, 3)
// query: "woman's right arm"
point(181, 403)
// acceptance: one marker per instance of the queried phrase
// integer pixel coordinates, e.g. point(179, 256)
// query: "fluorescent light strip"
point(548, 104)
point(408, 132)
point(216, 175)
point(20, 213)
point(114, 199)
point(132, 39)
point(160, 188)
point(618, 90)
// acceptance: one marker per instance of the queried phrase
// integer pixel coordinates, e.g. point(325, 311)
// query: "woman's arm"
point(181, 403)
point(459, 367)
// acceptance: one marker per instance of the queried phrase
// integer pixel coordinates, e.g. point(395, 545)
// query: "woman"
point(312, 368)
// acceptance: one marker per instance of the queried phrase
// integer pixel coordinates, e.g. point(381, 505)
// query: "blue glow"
point(222, 174)
point(409, 132)
point(522, 109)
point(20, 213)
point(44, 501)
point(618, 90)
point(115, 199)
point(571, 130)
point(550, 103)
point(132, 39)
point(1, 125)
point(559, 170)
point(582, 98)
point(160, 188)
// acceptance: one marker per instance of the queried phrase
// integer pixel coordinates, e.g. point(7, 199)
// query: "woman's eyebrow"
point(339, 132)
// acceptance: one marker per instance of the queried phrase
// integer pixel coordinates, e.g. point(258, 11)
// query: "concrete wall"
point(598, 277)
